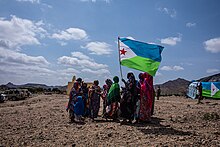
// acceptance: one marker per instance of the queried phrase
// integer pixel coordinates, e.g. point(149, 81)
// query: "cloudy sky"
point(49, 41)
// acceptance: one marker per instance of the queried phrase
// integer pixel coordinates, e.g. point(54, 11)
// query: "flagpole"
point(119, 58)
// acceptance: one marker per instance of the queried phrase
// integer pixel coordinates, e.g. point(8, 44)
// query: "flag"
point(211, 89)
point(139, 55)
point(214, 89)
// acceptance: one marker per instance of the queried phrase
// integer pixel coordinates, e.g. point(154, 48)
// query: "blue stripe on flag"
point(207, 85)
point(145, 50)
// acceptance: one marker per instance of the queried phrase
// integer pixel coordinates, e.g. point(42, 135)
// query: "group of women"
point(132, 102)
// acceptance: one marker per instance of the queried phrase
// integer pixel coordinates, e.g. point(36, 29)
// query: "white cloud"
point(32, 1)
point(36, 2)
point(70, 34)
point(190, 24)
point(80, 56)
point(166, 68)
point(170, 68)
point(19, 67)
point(98, 48)
point(171, 12)
point(212, 70)
point(68, 72)
point(62, 43)
point(82, 61)
point(82, 64)
point(18, 32)
point(107, 1)
point(16, 57)
point(212, 45)
point(26, 70)
point(186, 63)
point(177, 68)
point(171, 40)
point(96, 72)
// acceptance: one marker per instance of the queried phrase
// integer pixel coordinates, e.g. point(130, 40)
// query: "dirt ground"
point(43, 121)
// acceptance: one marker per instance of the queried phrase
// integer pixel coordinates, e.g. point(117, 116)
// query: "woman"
point(113, 99)
point(72, 107)
point(104, 95)
point(130, 97)
point(85, 99)
point(146, 96)
point(94, 94)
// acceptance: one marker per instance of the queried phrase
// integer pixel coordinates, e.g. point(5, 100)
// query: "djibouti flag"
point(139, 55)
point(211, 89)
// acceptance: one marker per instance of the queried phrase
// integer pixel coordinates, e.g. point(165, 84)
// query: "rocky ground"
point(43, 121)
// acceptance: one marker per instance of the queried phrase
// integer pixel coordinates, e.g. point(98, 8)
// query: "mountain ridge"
point(171, 87)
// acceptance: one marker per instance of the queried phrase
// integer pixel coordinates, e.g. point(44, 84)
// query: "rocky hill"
point(33, 86)
point(213, 78)
point(174, 87)
point(179, 86)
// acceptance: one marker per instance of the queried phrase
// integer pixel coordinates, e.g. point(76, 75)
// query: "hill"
point(33, 86)
point(179, 86)
point(213, 78)
point(174, 87)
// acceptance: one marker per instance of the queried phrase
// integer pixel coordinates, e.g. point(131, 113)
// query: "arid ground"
point(43, 121)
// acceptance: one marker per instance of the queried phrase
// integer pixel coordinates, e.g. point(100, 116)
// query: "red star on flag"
point(123, 51)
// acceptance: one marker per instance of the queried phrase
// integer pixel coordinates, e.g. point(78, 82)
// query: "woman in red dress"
point(146, 96)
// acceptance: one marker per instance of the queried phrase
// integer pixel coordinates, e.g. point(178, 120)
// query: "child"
point(78, 108)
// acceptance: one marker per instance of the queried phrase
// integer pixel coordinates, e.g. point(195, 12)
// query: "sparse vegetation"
point(211, 116)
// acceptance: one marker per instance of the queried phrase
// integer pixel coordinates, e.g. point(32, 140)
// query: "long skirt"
point(114, 108)
point(95, 105)
point(145, 108)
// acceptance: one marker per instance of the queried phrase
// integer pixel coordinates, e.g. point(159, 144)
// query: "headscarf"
point(76, 85)
point(114, 92)
point(149, 79)
point(105, 87)
point(96, 82)
point(79, 80)
point(141, 76)
point(116, 79)
point(108, 82)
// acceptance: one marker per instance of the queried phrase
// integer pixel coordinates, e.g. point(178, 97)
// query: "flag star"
point(123, 51)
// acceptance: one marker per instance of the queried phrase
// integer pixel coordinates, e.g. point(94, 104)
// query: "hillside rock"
point(174, 87)
point(213, 78)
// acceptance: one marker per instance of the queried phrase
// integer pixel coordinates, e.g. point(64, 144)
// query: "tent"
point(209, 90)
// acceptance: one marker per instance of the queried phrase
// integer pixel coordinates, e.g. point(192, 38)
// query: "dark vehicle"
point(2, 98)
point(17, 94)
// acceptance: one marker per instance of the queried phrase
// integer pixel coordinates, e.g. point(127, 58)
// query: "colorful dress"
point(146, 97)
point(104, 98)
point(79, 106)
point(129, 99)
point(94, 94)
point(113, 98)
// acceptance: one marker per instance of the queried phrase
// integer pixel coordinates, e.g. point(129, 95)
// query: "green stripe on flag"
point(207, 93)
point(143, 64)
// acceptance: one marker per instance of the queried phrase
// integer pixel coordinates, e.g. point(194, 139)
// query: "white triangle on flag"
point(128, 53)
point(214, 89)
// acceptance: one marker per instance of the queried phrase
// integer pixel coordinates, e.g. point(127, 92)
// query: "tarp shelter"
point(209, 90)
point(192, 91)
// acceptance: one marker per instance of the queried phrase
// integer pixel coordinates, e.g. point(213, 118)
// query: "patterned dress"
point(94, 94)
point(146, 97)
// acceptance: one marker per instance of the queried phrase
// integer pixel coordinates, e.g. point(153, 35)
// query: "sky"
point(49, 41)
